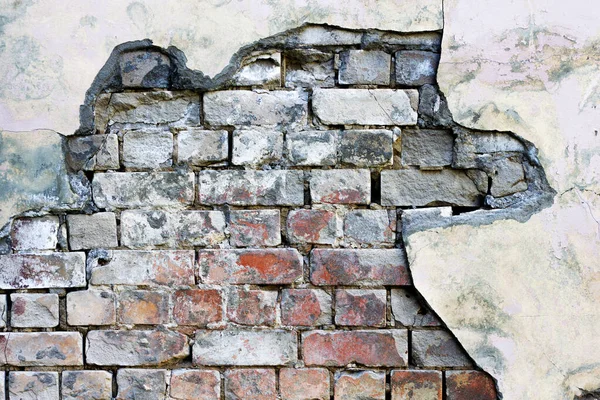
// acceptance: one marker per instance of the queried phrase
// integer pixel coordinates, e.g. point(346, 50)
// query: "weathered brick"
point(148, 228)
point(306, 148)
point(427, 148)
point(309, 68)
point(423, 385)
point(366, 106)
point(147, 268)
point(365, 67)
point(305, 307)
point(251, 307)
point(351, 385)
point(35, 233)
point(91, 307)
point(312, 226)
point(437, 349)
point(376, 348)
point(89, 385)
point(33, 385)
point(145, 68)
point(252, 266)
point(41, 349)
point(366, 148)
point(409, 187)
point(254, 147)
point(143, 189)
point(147, 384)
point(255, 384)
point(433, 108)
point(93, 153)
point(198, 307)
point(357, 307)
point(143, 307)
point(341, 186)
point(508, 177)
point(407, 310)
point(368, 267)
point(135, 348)
point(42, 271)
point(34, 310)
point(260, 70)
point(272, 347)
point(197, 146)
point(193, 384)
point(147, 149)
point(92, 231)
point(250, 228)
point(416, 68)
point(469, 385)
point(321, 35)
point(3, 310)
point(304, 383)
point(244, 107)
point(370, 227)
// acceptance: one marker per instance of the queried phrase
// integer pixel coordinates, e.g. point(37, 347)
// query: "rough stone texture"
point(305, 307)
point(416, 68)
point(146, 69)
point(433, 108)
point(89, 385)
point(341, 186)
point(197, 307)
point(370, 226)
point(252, 307)
point(366, 148)
point(462, 385)
point(142, 189)
point(256, 384)
point(35, 233)
point(91, 307)
point(33, 385)
point(41, 349)
point(135, 348)
point(30, 310)
point(408, 187)
point(360, 307)
point(304, 383)
point(42, 271)
point(256, 147)
point(312, 148)
point(427, 148)
point(252, 228)
point(150, 384)
point(362, 384)
point(508, 177)
point(190, 384)
point(312, 226)
point(3, 310)
point(423, 385)
point(437, 349)
point(140, 228)
point(147, 149)
point(197, 146)
point(366, 107)
point(272, 347)
point(143, 307)
point(363, 67)
point(309, 68)
point(407, 310)
point(264, 69)
point(92, 231)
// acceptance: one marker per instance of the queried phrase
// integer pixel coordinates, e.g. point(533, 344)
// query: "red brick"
point(143, 307)
point(198, 307)
point(304, 383)
point(252, 266)
point(250, 384)
point(377, 348)
point(192, 384)
point(408, 385)
point(359, 385)
point(252, 307)
point(305, 307)
point(368, 267)
point(470, 385)
point(255, 228)
point(312, 226)
point(356, 307)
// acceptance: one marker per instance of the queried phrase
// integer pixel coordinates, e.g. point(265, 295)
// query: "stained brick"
point(309, 68)
point(304, 383)
point(427, 148)
point(42, 271)
point(341, 186)
point(3, 310)
point(35, 233)
point(416, 68)
point(89, 385)
point(407, 310)
point(423, 385)
point(359, 385)
point(305, 307)
point(192, 384)
point(251, 307)
point(37, 349)
point(143, 307)
point(34, 310)
point(93, 153)
point(147, 384)
point(248, 228)
point(318, 148)
point(26, 384)
point(357, 307)
point(312, 226)
point(254, 384)
point(91, 307)
point(370, 227)
point(363, 67)
point(147, 69)
point(469, 385)
point(256, 147)
point(92, 231)
point(196, 146)
point(147, 149)
point(437, 349)
point(366, 148)
point(198, 307)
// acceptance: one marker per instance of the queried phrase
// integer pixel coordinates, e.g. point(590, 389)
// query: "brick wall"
point(245, 242)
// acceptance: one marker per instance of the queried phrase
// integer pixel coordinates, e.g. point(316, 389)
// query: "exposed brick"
point(370, 226)
point(42, 271)
point(256, 147)
point(251, 307)
point(147, 149)
point(407, 310)
point(198, 307)
point(250, 384)
point(135, 348)
point(249, 228)
point(91, 307)
point(341, 186)
point(35, 233)
point(508, 177)
point(199, 147)
point(307, 148)
point(305, 307)
point(89, 385)
point(357, 307)
point(93, 153)
point(469, 385)
point(309, 68)
point(144, 228)
point(267, 347)
point(252, 266)
point(408, 385)
point(3, 310)
point(41, 349)
point(433, 108)
point(193, 384)
point(368, 267)
point(366, 106)
point(34, 310)
point(304, 383)
point(92, 231)
point(427, 148)
point(364, 67)
point(145, 68)
point(259, 70)
point(148, 268)
point(437, 349)
point(416, 68)
point(366, 148)
point(312, 226)
point(33, 385)
point(376, 348)
point(143, 189)
point(359, 385)
point(247, 188)
point(147, 384)
point(143, 307)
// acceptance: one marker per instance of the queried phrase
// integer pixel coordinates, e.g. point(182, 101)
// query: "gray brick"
point(32, 385)
point(34, 310)
point(508, 177)
point(366, 148)
point(35, 233)
point(256, 147)
point(312, 148)
point(3, 310)
point(370, 227)
point(433, 108)
point(147, 149)
point(91, 385)
point(365, 67)
point(437, 349)
point(341, 186)
point(427, 148)
point(416, 68)
point(147, 384)
point(145, 69)
point(42, 271)
point(407, 310)
point(261, 70)
point(309, 68)
point(201, 147)
point(93, 153)
point(92, 231)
